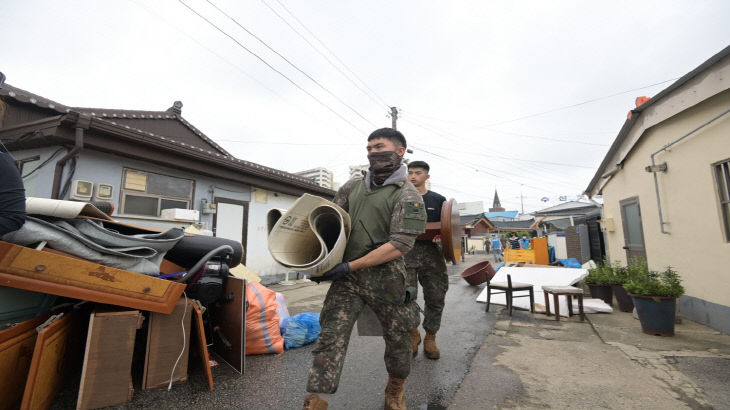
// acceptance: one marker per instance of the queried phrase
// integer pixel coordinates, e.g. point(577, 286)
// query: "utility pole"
point(522, 202)
point(394, 116)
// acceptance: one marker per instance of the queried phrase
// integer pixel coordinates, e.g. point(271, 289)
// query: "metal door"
point(231, 221)
point(633, 231)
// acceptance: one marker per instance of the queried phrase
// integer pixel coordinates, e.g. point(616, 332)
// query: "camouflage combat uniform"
point(396, 218)
point(425, 264)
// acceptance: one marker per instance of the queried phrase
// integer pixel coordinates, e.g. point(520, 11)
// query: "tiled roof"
point(527, 224)
point(111, 116)
point(568, 207)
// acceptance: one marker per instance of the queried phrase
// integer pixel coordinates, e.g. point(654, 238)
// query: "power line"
point(331, 52)
point(459, 141)
point(576, 105)
point(291, 64)
point(242, 71)
point(539, 137)
point(335, 66)
point(481, 169)
point(288, 143)
point(272, 67)
point(512, 158)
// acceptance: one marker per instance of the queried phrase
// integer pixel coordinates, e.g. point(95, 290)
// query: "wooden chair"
point(509, 288)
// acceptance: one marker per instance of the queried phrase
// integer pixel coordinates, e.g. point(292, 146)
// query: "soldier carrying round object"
point(387, 214)
point(425, 265)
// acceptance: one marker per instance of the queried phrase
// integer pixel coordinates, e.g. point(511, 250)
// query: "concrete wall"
point(695, 245)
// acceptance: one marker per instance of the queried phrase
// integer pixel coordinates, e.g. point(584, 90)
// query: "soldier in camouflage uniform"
point(425, 264)
point(387, 214)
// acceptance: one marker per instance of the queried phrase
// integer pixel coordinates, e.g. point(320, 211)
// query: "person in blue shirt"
point(496, 248)
point(525, 242)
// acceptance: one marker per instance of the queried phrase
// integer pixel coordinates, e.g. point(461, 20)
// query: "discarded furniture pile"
point(79, 290)
point(520, 274)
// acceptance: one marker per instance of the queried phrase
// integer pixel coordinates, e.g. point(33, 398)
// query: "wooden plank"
point(165, 340)
point(16, 353)
point(230, 316)
point(106, 377)
point(54, 356)
point(202, 344)
point(25, 268)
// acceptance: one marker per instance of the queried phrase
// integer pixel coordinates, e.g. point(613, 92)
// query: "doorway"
point(231, 221)
point(633, 231)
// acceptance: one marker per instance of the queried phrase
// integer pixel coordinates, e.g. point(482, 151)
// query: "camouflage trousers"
point(425, 264)
point(382, 288)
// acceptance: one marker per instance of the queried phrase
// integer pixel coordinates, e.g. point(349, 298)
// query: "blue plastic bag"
point(571, 263)
point(300, 329)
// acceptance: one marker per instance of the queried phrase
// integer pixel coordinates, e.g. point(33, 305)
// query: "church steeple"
point(496, 206)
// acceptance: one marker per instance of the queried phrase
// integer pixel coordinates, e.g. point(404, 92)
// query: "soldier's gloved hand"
point(340, 270)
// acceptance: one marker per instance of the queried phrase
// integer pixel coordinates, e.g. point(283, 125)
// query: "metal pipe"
point(664, 148)
point(58, 173)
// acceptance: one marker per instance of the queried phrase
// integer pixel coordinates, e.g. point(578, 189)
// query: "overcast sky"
point(464, 74)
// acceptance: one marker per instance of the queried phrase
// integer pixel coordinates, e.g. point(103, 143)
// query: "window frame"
point(722, 184)
point(123, 192)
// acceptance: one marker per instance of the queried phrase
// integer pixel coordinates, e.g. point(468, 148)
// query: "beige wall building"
point(680, 216)
point(357, 170)
point(321, 176)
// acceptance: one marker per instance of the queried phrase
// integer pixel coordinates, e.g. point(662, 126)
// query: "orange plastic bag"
point(262, 323)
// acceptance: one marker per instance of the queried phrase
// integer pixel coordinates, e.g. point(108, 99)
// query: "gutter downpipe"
point(58, 173)
point(664, 148)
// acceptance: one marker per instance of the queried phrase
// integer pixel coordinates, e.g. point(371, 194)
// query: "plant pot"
point(602, 292)
point(625, 303)
point(656, 314)
point(479, 273)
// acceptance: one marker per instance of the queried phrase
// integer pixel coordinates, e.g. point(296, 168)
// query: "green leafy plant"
point(653, 283)
point(636, 268)
point(601, 275)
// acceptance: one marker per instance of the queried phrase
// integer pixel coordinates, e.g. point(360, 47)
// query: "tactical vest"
point(370, 213)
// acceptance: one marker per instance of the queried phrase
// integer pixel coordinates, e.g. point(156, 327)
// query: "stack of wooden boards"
point(38, 356)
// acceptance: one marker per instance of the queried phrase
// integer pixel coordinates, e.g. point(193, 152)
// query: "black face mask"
point(383, 164)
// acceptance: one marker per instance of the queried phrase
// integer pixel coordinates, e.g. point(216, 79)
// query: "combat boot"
point(429, 346)
point(395, 395)
point(313, 402)
point(415, 341)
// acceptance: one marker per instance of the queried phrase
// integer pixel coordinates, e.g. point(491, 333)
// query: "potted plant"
point(655, 297)
point(621, 276)
point(598, 281)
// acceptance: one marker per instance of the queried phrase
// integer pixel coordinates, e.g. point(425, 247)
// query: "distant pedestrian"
point(496, 248)
point(525, 242)
point(514, 241)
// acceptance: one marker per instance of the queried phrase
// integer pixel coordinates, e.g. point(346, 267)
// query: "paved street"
point(278, 381)
point(487, 361)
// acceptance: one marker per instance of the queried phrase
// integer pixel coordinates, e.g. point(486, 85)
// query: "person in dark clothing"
point(425, 265)
point(514, 241)
point(12, 196)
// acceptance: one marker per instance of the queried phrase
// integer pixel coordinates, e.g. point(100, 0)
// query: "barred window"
point(722, 173)
point(147, 193)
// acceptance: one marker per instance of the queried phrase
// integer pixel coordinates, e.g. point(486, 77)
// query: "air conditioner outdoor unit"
point(81, 190)
point(104, 192)
point(178, 214)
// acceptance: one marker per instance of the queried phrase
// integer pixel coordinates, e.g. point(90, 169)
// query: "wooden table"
point(567, 291)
